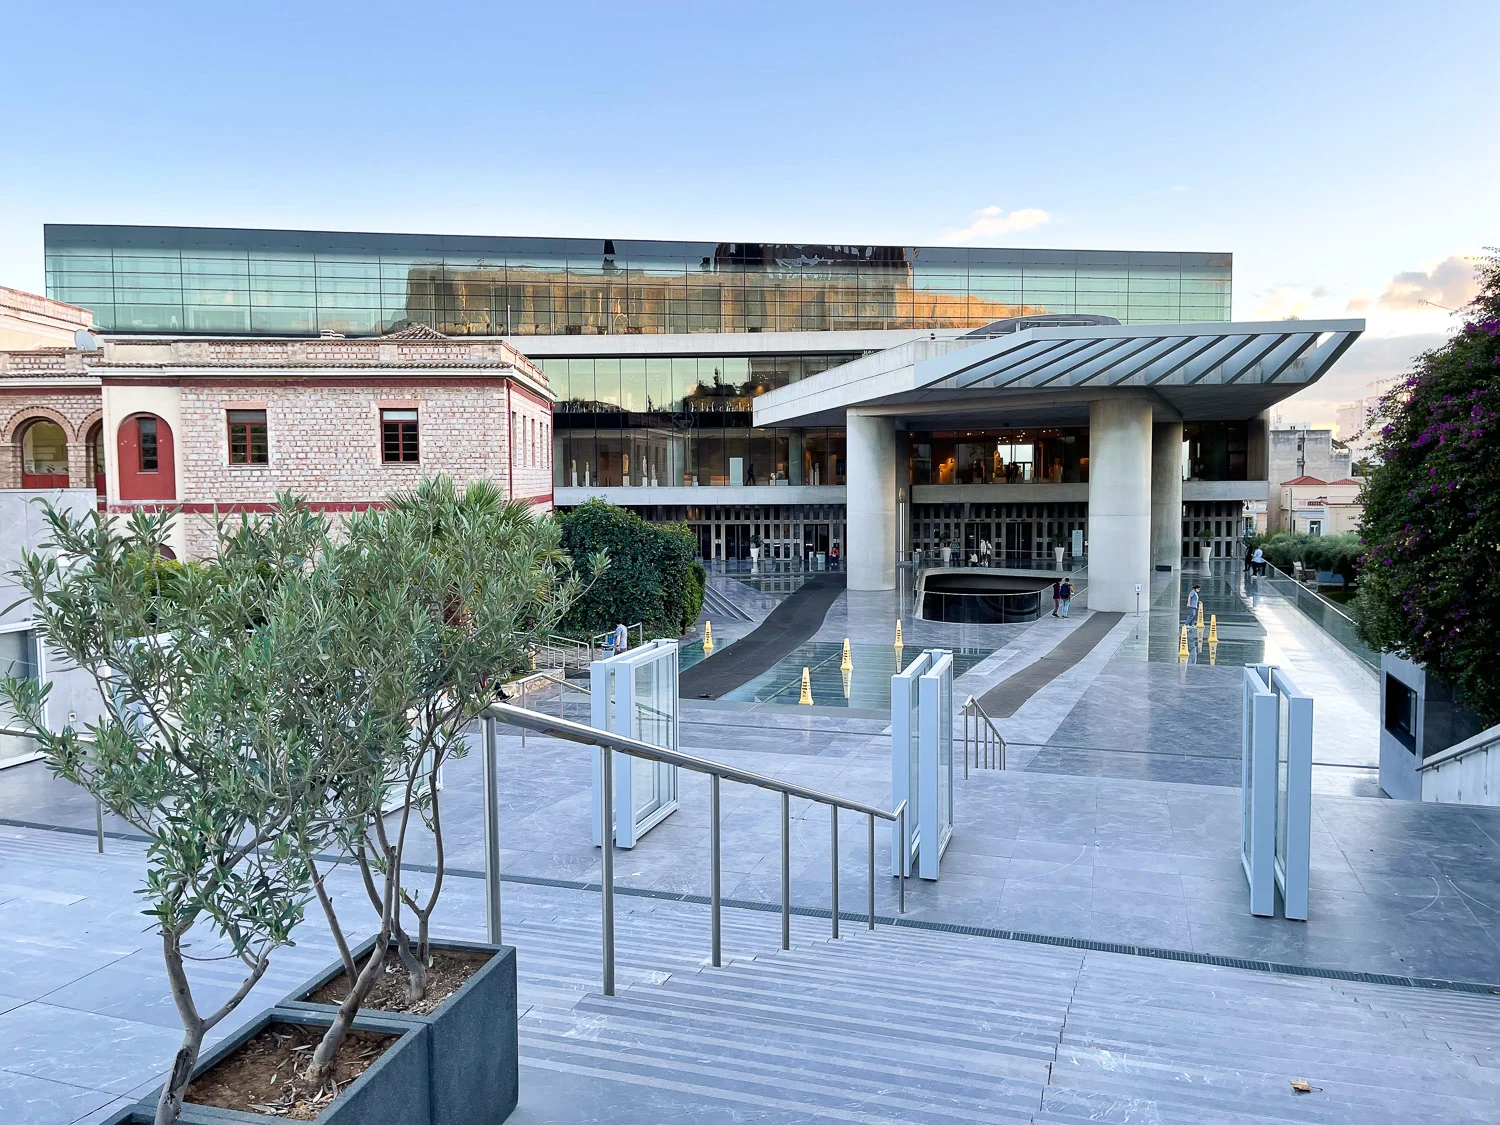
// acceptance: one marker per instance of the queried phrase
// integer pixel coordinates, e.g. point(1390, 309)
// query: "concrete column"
point(870, 493)
point(1119, 503)
point(1166, 494)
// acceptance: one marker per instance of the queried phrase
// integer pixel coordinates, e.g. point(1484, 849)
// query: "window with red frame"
point(398, 436)
point(248, 444)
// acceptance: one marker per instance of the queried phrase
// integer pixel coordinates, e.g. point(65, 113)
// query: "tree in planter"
point(197, 667)
point(443, 591)
point(1428, 585)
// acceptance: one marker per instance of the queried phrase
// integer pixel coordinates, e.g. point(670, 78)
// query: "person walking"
point(1065, 591)
point(1056, 597)
point(985, 551)
point(1258, 562)
point(1194, 598)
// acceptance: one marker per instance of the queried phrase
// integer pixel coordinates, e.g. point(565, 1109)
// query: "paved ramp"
point(790, 624)
point(1005, 698)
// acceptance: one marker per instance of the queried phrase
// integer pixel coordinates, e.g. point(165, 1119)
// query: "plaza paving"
point(1115, 825)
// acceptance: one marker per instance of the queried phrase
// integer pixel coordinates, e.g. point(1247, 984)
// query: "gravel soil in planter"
point(384, 1062)
point(472, 1039)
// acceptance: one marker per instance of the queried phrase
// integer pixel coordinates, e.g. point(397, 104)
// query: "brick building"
point(225, 424)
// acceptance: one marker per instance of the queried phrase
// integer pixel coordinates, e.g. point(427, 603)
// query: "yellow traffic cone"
point(1182, 646)
point(848, 662)
point(806, 699)
point(848, 675)
point(1213, 628)
point(1200, 615)
point(708, 637)
point(1213, 652)
point(898, 632)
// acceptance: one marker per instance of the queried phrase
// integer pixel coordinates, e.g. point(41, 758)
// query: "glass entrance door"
point(1019, 542)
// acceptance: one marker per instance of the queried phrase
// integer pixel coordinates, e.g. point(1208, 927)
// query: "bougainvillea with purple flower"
point(1430, 584)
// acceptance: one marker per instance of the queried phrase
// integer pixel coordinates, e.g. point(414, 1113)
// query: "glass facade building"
point(267, 282)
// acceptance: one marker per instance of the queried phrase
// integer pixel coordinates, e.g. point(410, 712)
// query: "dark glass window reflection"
point(182, 279)
point(148, 447)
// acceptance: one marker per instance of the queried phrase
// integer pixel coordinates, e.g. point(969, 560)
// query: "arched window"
point(147, 469)
point(44, 455)
point(95, 443)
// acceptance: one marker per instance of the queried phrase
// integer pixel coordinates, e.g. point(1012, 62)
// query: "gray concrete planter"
point(472, 1039)
point(393, 1089)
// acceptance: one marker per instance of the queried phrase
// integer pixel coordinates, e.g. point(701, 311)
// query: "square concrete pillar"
point(870, 491)
point(1166, 494)
point(1119, 503)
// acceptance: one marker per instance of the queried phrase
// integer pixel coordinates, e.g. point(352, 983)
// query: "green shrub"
point(654, 577)
point(1338, 553)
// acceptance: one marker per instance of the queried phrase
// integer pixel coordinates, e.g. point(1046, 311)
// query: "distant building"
point(28, 321)
point(210, 424)
point(1321, 507)
point(1303, 452)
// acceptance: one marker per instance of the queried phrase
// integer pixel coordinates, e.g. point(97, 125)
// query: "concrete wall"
point(1439, 722)
point(23, 525)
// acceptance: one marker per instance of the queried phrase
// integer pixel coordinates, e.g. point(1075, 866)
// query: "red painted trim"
point(390, 379)
point(536, 400)
point(539, 498)
point(234, 507)
point(135, 484)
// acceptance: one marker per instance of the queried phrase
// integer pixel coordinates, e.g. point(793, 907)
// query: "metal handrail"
point(27, 732)
point(1475, 742)
point(987, 737)
point(716, 772)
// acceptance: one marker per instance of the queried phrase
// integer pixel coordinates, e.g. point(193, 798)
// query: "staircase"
point(911, 1025)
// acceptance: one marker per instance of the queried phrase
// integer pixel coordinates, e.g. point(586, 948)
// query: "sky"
point(1343, 153)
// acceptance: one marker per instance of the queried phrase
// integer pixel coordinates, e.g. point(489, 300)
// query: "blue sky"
point(1345, 153)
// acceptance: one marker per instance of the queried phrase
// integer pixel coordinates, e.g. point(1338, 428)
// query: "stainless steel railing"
point(716, 772)
point(981, 733)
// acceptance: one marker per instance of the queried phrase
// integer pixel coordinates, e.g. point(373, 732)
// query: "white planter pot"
point(947, 555)
point(1207, 553)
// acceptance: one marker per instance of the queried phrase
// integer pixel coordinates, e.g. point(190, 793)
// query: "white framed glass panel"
point(906, 759)
point(635, 694)
point(935, 795)
point(22, 658)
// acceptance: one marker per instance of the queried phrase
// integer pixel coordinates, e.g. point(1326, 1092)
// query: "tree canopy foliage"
point(1338, 553)
point(654, 577)
point(1430, 585)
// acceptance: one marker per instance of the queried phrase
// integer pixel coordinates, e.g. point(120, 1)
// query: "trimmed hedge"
point(654, 576)
point(1338, 553)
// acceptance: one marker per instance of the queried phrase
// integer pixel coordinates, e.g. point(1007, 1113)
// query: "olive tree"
point(209, 675)
point(441, 592)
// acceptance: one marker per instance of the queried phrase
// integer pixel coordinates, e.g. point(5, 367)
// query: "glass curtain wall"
point(216, 281)
point(685, 421)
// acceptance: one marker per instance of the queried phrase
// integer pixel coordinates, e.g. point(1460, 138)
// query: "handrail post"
point(905, 854)
point(607, 863)
point(99, 824)
point(872, 870)
point(491, 830)
point(786, 870)
point(966, 736)
point(714, 885)
point(523, 706)
point(833, 851)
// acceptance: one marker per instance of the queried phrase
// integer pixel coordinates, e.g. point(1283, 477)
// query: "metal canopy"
point(1222, 370)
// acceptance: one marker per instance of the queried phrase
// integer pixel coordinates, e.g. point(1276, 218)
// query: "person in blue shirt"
point(1194, 598)
point(1066, 590)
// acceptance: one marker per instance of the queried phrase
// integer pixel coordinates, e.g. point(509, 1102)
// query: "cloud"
point(1357, 304)
point(1449, 284)
point(1371, 360)
point(991, 221)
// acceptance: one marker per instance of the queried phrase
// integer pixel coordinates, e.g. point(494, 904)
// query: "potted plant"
point(450, 589)
point(755, 546)
point(945, 541)
point(196, 665)
point(1206, 544)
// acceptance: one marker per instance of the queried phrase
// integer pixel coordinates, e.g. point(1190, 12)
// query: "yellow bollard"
point(1200, 615)
point(708, 637)
point(1213, 628)
point(1182, 646)
point(806, 699)
point(848, 662)
point(532, 649)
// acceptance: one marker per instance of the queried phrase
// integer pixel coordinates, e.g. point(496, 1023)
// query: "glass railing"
point(1324, 613)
